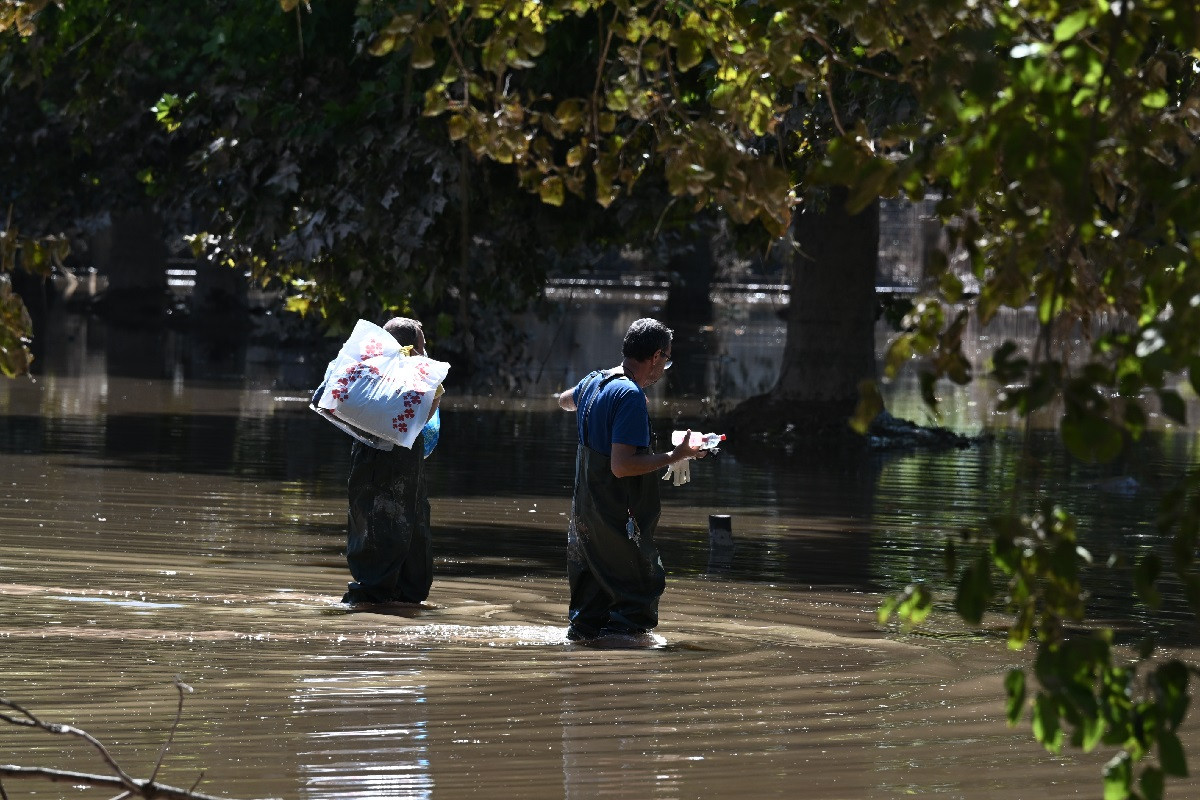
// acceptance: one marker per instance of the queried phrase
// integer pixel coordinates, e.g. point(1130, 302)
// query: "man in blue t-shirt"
point(613, 567)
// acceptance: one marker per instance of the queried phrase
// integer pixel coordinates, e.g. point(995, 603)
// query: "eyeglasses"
point(669, 362)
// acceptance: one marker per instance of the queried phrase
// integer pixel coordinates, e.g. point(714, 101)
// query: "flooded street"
point(167, 514)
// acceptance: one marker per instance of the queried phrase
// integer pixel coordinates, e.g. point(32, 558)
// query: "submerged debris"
point(889, 433)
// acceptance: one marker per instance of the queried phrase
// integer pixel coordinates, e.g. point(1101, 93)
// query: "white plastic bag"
point(376, 393)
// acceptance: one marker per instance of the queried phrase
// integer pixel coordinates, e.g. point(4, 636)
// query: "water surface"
point(180, 514)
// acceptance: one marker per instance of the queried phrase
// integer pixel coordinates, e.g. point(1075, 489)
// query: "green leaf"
point(1014, 692)
point(1170, 755)
point(689, 49)
point(1118, 777)
point(1194, 374)
point(458, 127)
point(974, 590)
point(616, 100)
point(1046, 726)
point(951, 286)
point(435, 101)
point(1091, 729)
point(1071, 25)
point(870, 404)
point(871, 182)
point(1022, 627)
point(381, 44)
point(1091, 438)
point(1050, 305)
point(569, 114)
point(422, 54)
point(1157, 98)
point(1173, 405)
point(886, 609)
point(1152, 783)
point(551, 191)
point(299, 305)
point(1171, 680)
point(1149, 567)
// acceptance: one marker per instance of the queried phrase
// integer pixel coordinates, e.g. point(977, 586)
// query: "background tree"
point(277, 147)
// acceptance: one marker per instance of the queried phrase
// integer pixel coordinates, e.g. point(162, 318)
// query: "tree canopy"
point(275, 145)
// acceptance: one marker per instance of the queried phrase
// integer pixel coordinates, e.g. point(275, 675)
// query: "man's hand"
point(627, 462)
point(685, 450)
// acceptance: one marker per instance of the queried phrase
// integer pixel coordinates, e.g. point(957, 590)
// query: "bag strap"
point(603, 378)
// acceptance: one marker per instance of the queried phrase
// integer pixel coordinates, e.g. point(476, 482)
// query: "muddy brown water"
point(156, 525)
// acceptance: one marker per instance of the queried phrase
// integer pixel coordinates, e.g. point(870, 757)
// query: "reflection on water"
point(170, 508)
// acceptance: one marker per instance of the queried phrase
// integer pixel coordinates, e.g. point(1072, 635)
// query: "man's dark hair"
point(644, 338)
point(406, 331)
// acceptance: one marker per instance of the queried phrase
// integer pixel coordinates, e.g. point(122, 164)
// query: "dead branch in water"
point(128, 786)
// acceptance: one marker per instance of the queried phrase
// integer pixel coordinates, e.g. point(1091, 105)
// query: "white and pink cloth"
point(378, 388)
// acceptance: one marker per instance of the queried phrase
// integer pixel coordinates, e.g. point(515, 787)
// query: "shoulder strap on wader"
point(603, 378)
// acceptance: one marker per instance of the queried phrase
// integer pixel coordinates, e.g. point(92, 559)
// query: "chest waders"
point(388, 536)
point(615, 573)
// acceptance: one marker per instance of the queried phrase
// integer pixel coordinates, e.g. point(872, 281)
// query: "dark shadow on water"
point(404, 610)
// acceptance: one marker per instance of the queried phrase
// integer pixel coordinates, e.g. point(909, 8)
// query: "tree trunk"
point(830, 343)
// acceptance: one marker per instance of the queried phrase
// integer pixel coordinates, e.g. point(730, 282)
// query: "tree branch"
point(32, 721)
point(121, 780)
point(146, 789)
point(181, 687)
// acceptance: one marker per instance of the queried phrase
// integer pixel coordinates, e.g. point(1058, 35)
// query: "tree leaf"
point(551, 191)
point(1072, 24)
point(458, 127)
point(1118, 777)
point(1173, 405)
point(422, 53)
point(1149, 566)
point(1046, 726)
point(1152, 783)
point(974, 590)
point(1014, 691)
point(1171, 756)
point(870, 404)
point(689, 49)
point(1091, 438)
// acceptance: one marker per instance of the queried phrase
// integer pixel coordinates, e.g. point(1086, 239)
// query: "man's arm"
point(627, 462)
point(566, 400)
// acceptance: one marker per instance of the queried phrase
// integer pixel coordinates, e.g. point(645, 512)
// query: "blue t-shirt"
point(618, 412)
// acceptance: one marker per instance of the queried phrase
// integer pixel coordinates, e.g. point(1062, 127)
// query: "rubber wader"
point(615, 573)
point(388, 539)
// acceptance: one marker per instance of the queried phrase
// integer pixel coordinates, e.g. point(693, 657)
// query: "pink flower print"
point(372, 348)
point(352, 374)
point(399, 424)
